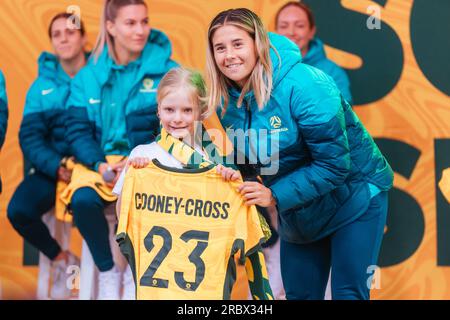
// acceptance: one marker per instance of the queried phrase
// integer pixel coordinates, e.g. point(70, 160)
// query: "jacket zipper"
point(249, 126)
point(248, 115)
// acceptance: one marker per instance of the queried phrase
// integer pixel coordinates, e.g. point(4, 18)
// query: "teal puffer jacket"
point(310, 147)
point(42, 129)
point(317, 57)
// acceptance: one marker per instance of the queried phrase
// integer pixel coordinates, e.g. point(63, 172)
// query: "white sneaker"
point(129, 288)
point(61, 284)
point(109, 284)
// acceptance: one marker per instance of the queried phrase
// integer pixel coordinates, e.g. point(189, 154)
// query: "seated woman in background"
point(42, 141)
point(295, 20)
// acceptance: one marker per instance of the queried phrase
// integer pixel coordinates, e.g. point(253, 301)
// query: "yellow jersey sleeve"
point(255, 235)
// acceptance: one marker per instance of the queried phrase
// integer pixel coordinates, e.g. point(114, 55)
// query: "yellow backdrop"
point(415, 112)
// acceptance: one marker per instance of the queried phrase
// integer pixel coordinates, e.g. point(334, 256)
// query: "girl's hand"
point(139, 162)
point(255, 193)
point(228, 174)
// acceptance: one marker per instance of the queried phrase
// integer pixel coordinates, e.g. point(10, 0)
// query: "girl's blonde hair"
point(190, 80)
point(110, 10)
point(260, 80)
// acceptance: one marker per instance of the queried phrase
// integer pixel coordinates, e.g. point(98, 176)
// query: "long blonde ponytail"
point(110, 11)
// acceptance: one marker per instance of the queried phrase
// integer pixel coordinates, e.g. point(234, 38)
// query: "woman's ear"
point(84, 41)
point(111, 28)
point(313, 32)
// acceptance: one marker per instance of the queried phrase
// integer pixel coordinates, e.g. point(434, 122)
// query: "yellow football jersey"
point(180, 230)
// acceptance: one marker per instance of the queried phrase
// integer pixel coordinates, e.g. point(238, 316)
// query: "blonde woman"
point(331, 185)
point(112, 109)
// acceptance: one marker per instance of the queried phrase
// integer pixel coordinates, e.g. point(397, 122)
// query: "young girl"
point(181, 108)
point(331, 182)
point(112, 109)
point(43, 145)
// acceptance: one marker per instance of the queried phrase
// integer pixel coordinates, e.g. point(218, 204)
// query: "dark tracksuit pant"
point(36, 195)
point(350, 252)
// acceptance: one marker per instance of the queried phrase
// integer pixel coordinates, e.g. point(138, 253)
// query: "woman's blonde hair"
point(110, 10)
point(260, 80)
point(190, 80)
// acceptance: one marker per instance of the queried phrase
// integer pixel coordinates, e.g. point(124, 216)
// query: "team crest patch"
point(147, 85)
point(275, 122)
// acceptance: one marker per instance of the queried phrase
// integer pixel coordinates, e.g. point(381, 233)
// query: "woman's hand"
point(102, 169)
point(228, 174)
point(256, 193)
point(64, 174)
point(116, 168)
point(139, 162)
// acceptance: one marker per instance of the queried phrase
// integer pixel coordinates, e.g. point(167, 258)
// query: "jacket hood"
point(50, 68)
point(287, 55)
point(284, 54)
point(155, 58)
point(315, 53)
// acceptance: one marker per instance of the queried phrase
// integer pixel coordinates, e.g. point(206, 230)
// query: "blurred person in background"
point(295, 20)
point(41, 138)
